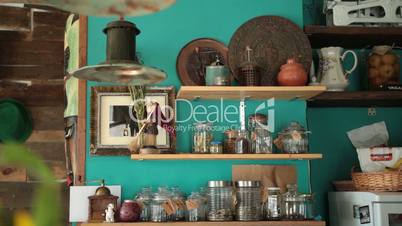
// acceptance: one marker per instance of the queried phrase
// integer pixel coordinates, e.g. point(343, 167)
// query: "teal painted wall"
point(163, 35)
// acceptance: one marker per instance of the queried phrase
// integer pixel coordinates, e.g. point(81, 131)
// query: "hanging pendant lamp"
point(103, 7)
point(121, 64)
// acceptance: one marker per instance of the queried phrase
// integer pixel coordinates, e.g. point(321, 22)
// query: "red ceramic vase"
point(130, 211)
point(292, 74)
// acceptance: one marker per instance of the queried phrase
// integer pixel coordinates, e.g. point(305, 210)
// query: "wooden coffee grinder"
point(98, 203)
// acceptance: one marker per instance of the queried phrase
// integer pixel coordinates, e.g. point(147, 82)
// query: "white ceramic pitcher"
point(331, 69)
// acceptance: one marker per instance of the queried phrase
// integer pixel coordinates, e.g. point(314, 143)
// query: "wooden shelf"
point(188, 156)
point(249, 92)
point(352, 36)
point(357, 99)
point(207, 223)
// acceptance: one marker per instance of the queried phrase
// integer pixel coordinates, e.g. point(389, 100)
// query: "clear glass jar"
point(196, 207)
point(294, 139)
point(248, 200)
point(383, 67)
point(180, 203)
point(216, 147)
point(291, 203)
point(242, 143)
point(272, 206)
point(307, 206)
point(220, 201)
point(261, 141)
point(202, 138)
point(144, 198)
point(158, 205)
point(230, 141)
point(257, 120)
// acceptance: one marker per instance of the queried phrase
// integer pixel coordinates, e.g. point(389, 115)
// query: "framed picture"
point(113, 125)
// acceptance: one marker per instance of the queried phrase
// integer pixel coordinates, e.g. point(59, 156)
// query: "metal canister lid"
point(219, 183)
point(247, 184)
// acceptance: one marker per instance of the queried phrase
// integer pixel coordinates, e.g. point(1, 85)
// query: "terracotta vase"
point(292, 74)
point(130, 211)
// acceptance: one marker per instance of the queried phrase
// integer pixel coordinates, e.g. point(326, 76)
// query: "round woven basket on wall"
point(377, 181)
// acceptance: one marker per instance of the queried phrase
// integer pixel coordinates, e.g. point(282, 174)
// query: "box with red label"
point(379, 158)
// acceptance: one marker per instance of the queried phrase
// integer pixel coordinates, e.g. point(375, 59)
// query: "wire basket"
point(377, 181)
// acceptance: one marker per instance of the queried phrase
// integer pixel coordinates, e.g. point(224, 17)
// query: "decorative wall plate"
point(273, 39)
point(195, 56)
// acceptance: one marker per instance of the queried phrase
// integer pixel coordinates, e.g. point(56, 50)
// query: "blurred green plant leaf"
point(46, 206)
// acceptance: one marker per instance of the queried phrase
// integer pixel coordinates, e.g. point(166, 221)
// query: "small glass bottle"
point(216, 147)
point(196, 208)
point(272, 207)
point(242, 143)
point(291, 204)
point(144, 198)
point(202, 138)
point(179, 200)
point(261, 141)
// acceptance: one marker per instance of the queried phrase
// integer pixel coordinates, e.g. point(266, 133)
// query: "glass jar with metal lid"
point(158, 205)
point(220, 200)
point(272, 205)
point(202, 138)
point(196, 208)
point(248, 200)
point(144, 198)
point(291, 204)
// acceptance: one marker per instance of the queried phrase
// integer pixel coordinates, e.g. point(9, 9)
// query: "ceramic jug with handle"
point(332, 74)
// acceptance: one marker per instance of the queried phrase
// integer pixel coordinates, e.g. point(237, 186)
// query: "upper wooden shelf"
point(352, 36)
point(357, 99)
point(249, 92)
point(188, 156)
point(209, 223)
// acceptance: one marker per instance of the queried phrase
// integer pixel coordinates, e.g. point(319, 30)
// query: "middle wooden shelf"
point(189, 156)
point(249, 92)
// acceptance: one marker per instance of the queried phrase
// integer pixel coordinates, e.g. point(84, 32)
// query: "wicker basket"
point(377, 181)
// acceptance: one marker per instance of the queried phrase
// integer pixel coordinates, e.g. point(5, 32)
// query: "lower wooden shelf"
point(209, 223)
point(188, 156)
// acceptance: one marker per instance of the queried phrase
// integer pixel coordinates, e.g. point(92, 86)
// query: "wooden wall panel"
point(36, 56)
point(11, 173)
point(15, 18)
point(35, 95)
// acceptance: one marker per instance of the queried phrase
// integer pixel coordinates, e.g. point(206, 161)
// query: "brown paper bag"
point(269, 175)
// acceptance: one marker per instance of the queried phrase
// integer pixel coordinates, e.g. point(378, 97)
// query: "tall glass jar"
point(383, 67)
point(291, 203)
point(242, 143)
point(220, 201)
point(179, 201)
point(261, 141)
point(230, 141)
point(248, 200)
point(158, 205)
point(307, 206)
point(144, 198)
point(272, 206)
point(202, 138)
point(196, 208)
